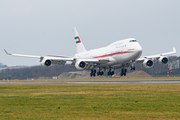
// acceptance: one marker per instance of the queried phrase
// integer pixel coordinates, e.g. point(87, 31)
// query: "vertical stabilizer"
point(79, 45)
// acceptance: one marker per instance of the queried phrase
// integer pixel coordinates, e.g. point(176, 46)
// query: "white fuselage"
point(122, 51)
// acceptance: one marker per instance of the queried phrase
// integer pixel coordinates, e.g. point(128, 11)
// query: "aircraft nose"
point(139, 50)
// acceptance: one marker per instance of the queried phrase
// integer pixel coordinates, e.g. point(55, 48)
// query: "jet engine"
point(46, 63)
point(80, 65)
point(163, 60)
point(148, 63)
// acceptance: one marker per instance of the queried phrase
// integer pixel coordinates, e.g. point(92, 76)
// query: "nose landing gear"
point(132, 68)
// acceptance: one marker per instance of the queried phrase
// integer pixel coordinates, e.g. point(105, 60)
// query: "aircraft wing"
point(20, 55)
point(156, 56)
point(61, 59)
point(54, 59)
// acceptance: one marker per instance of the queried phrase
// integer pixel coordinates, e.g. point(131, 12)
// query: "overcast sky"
point(44, 27)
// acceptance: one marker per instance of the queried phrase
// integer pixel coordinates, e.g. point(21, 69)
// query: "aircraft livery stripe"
point(117, 53)
point(78, 39)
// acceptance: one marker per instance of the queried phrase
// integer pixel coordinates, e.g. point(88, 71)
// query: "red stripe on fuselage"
point(112, 54)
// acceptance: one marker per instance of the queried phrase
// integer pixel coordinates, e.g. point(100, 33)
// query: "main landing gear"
point(123, 72)
point(100, 73)
point(93, 73)
point(110, 72)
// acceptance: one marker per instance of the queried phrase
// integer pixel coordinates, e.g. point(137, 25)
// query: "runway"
point(88, 82)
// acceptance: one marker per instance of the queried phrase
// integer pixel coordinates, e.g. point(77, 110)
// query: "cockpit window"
point(133, 41)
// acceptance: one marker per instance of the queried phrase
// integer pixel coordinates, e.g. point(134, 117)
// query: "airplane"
point(121, 54)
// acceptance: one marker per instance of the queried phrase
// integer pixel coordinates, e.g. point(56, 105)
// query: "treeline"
point(34, 72)
point(2, 65)
point(56, 70)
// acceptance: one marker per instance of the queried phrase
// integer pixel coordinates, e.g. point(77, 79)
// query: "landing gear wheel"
point(93, 73)
point(98, 73)
point(123, 72)
point(90, 74)
point(101, 73)
point(112, 73)
point(109, 73)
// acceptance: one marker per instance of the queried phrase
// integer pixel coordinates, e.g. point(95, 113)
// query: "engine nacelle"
point(148, 63)
point(46, 63)
point(163, 60)
point(80, 65)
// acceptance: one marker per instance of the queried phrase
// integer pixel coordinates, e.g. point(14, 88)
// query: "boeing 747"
point(118, 55)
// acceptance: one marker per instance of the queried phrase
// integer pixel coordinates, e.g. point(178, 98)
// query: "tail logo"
point(77, 39)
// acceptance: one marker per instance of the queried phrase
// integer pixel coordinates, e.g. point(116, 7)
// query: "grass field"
point(92, 101)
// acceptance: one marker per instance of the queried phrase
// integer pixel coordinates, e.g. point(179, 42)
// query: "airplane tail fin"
point(79, 45)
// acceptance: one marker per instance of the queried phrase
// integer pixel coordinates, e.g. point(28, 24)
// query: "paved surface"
point(87, 82)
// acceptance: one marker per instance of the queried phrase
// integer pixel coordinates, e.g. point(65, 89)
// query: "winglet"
point(7, 52)
point(174, 50)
